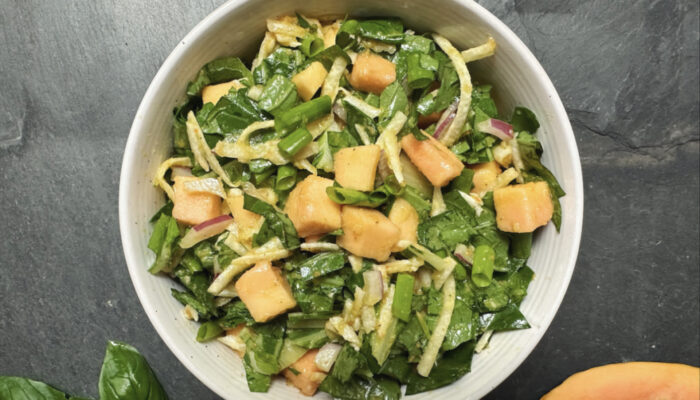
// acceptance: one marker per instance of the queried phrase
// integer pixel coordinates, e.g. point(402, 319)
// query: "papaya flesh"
point(631, 381)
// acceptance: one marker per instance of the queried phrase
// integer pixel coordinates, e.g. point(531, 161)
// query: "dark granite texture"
point(73, 74)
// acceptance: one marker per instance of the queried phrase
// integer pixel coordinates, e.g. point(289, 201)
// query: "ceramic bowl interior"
point(236, 28)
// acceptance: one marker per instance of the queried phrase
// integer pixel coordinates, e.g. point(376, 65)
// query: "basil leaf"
point(276, 223)
point(279, 94)
point(383, 30)
point(321, 264)
point(126, 375)
point(15, 388)
point(449, 368)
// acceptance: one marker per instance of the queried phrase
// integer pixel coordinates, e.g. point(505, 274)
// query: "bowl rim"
point(171, 62)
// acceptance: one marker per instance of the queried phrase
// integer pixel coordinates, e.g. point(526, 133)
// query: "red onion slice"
point(205, 230)
point(497, 128)
point(374, 286)
point(446, 119)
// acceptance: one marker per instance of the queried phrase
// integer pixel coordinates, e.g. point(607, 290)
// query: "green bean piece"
point(302, 114)
point(403, 295)
point(295, 141)
point(482, 269)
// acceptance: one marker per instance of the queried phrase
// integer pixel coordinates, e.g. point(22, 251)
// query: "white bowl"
point(236, 28)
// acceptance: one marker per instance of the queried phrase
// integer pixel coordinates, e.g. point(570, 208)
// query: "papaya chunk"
point(304, 374)
point(309, 80)
point(265, 292)
point(631, 381)
point(356, 167)
point(367, 233)
point(523, 208)
point(405, 217)
point(311, 210)
point(484, 175)
point(372, 73)
point(193, 208)
point(212, 93)
point(433, 159)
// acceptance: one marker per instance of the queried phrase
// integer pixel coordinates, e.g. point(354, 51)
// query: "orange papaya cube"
point(523, 208)
point(311, 210)
point(304, 374)
point(484, 175)
point(372, 73)
point(193, 208)
point(356, 167)
point(405, 217)
point(368, 233)
point(309, 80)
point(265, 292)
point(631, 381)
point(433, 159)
point(212, 93)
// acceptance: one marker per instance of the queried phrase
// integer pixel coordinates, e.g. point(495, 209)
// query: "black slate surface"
point(73, 74)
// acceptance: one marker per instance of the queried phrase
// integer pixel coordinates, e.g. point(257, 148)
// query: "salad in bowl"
point(351, 210)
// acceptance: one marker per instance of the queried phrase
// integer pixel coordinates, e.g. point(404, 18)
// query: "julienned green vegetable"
point(125, 375)
point(345, 288)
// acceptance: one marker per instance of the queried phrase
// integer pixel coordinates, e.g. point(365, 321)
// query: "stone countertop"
point(73, 74)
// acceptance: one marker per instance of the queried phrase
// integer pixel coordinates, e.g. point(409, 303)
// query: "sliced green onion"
point(208, 331)
point(482, 269)
point(286, 177)
point(354, 197)
point(403, 295)
point(311, 45)
point(295, 141)
point(300, 115)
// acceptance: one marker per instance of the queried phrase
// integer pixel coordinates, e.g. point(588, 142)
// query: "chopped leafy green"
point(278, 95)
point(220, 70)
point(276, 224)
point(321, 264)
point(449, 368)
point(361, 388)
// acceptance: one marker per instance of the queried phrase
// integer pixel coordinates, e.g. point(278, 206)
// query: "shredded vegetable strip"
point(438, 205)
point(465, 91)
point(389, 142)
point(430, 354)
point(159, 178)
point(266, 48)
point(363, 106)
point(204, 148)
point(503, 179)
point(477, 53)
point(332, 82)
point(193, 134)
point(244, 152)
point(474, 203)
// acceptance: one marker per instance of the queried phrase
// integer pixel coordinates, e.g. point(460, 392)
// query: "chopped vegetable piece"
point(212, 93)
point(484, 175)
point(435, 342)
point(522, 208)
point(433, 159)
point(356, 167)
point(310, 80)
point(403, 294)
point(304, 374)
point(294, 142)
point(302, 114)
point(193, 208)
point(265, 292)
point(405, 217)
point(372, 73)
point(367, 233)
point(311, 210)
point(482, 268)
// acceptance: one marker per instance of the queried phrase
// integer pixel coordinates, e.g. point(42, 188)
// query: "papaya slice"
point(631, 381)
